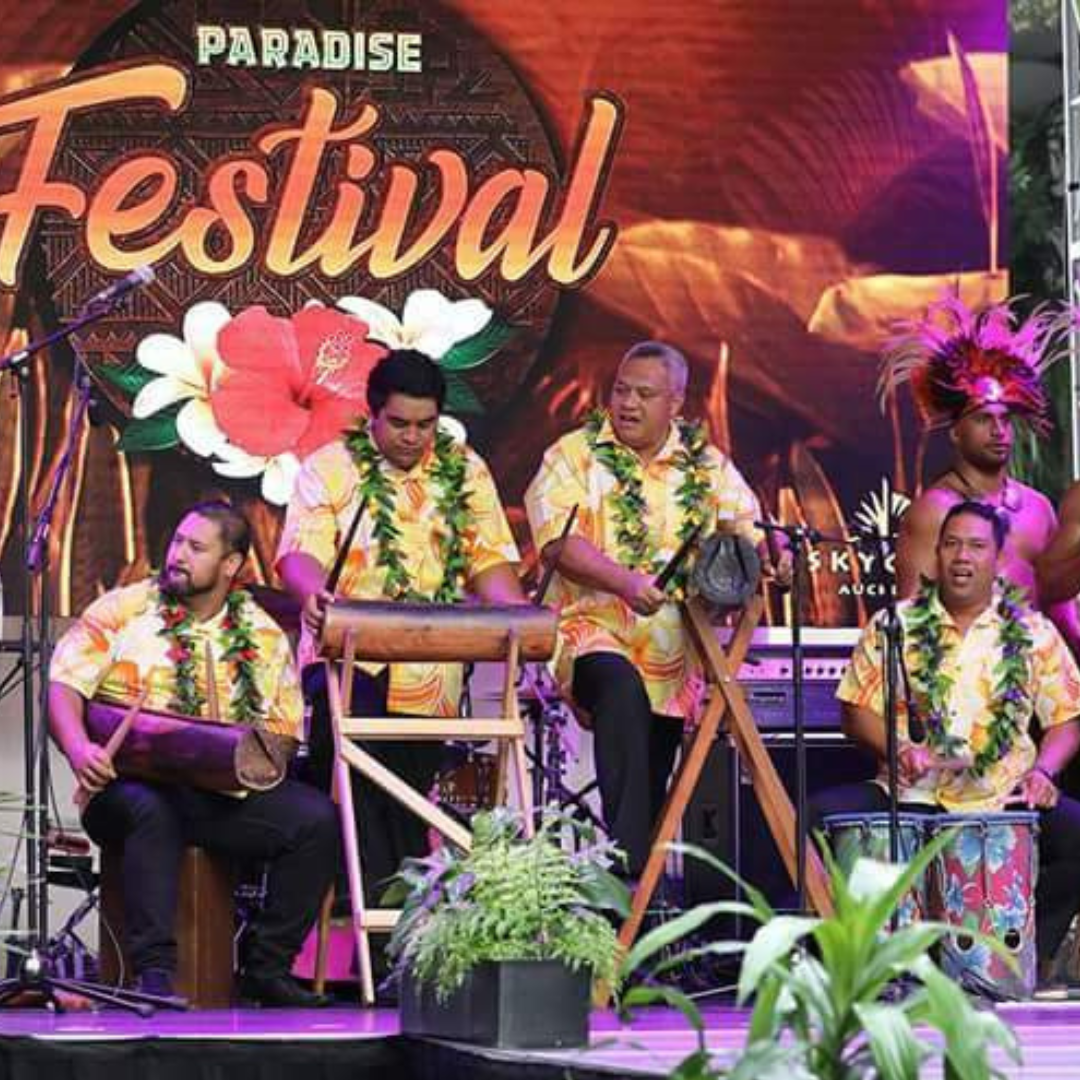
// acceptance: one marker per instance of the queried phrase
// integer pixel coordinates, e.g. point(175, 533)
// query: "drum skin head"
point(726, 571)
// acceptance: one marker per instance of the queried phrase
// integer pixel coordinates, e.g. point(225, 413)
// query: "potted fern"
point(500, 944)
point(837, 998)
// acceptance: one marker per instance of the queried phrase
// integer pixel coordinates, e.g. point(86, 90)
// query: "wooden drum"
point(446, 633)
point(179, 750)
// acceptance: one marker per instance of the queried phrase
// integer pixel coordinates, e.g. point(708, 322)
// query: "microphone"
point(141, 275)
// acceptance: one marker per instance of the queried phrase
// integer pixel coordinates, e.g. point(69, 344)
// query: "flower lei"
point(636, 548)
point(238, 649)
point(452, 502)
point(1010, 707)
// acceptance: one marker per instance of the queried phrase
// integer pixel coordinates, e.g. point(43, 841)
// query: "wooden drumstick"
point(343, 551)
point(553, 562)
point(82, 795)
point(212, 705)
point(664, 578)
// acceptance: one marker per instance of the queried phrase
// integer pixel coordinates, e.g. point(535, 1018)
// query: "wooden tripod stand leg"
point(349, 837)
point(512, 756)
point(770, 792)
point(322, 942)
point(686, 778)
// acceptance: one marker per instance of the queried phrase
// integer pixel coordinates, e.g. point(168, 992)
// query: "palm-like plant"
point(821, 987)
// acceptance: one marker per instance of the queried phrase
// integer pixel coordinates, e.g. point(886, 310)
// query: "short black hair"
point(970, 507)
point(235, 529)
point(408, 372)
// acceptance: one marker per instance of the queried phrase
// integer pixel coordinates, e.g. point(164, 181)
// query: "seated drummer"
point(643, 480)
point(156, 636)
point(433, 530)
point(981, 665)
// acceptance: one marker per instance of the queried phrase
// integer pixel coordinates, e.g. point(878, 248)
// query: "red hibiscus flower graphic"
point(291, 385)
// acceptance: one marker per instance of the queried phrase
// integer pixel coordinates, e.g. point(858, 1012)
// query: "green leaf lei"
point(1010, 707)
point(636, 548)
point(238, 649)
point(452, 502)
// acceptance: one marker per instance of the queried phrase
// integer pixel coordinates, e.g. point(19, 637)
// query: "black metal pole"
point(798, 552)
point(35, 885)
point(891, 656)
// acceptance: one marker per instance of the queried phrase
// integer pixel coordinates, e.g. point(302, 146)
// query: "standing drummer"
point(981, 665)
point(643, 481)
point(166, 638)
point(433, 531)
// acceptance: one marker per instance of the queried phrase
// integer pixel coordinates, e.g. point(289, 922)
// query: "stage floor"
point(652, 1045)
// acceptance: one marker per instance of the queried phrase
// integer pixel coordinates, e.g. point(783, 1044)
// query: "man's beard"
point(179, 585)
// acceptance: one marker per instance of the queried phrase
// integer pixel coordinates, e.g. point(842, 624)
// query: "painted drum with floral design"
point(985, 880)
point(852, 836)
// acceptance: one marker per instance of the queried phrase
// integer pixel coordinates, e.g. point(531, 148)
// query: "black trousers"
point(388, 833)
point(635, 749)
point(293, 827)
point(1057, 893)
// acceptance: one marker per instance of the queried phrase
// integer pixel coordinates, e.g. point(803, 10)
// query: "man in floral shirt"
point(642, 480)
point(981, 667)
point(159, 637)
point(433, 531)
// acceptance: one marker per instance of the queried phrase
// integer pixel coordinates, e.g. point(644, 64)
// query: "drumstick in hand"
point(213, 706)
point(553, 562)
point(343, 551)
point(664, 578)
point(82, 795)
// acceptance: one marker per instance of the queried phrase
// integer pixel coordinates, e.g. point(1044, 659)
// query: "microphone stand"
point(35, 974)
point(883, 544)
point(798, 537)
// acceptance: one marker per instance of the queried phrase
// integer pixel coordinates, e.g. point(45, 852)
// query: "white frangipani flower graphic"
point(454, 428)
point(429, 323)
point(278, 473)
point(189, 370)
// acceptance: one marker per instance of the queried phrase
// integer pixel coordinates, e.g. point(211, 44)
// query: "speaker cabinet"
point(724, 817)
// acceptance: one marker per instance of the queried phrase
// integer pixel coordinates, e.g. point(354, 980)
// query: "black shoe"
point(279, 992)
point(157, 983)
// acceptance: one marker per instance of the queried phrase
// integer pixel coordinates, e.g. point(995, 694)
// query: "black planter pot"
point(523, 1004)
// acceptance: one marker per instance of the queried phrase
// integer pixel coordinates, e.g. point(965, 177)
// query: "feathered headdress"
point(956, 360)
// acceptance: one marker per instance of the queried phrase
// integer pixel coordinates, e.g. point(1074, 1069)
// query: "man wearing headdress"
point(182, 641)
point(433, 530)
point(976, 374)
point(643, 480)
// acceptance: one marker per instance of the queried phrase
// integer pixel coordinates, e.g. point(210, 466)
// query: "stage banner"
point(522, 192)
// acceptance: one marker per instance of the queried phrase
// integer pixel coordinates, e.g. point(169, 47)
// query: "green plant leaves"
point(509, 898)
point(818, 1009)
point(673, 930)
point(771, 943)
point(157, 432)
point(770, 1061)
point(672, 997)
point(896, 1052)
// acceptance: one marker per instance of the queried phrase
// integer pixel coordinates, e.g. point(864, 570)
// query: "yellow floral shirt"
point(1053, 685)
point(116, 649)
point(320, 512)
point(594, 621)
